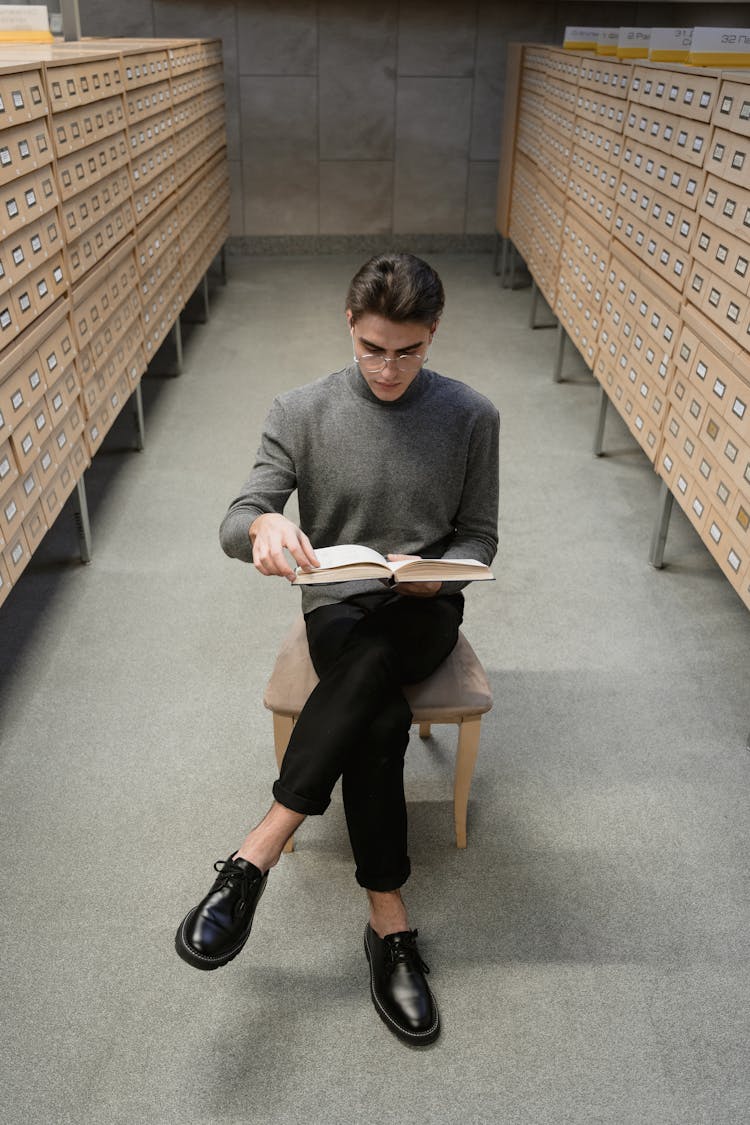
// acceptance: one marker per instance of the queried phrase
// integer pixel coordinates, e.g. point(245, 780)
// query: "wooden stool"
point(457, 692)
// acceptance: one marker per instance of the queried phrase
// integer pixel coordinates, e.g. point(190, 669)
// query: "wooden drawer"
point(22, 97)
point(143, 68)
point(145, 101)
point(83, 254)
point(28, 248)
point(85, 210)
point(733, 107)
point(25, 200)
point(23, 149)
point(85, 125)
point(75, 84)
point(82, 169)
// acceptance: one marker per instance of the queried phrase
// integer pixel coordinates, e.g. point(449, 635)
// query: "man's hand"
point(415, 589)
point(270, 534)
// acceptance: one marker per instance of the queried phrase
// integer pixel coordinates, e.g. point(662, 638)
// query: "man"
point(388, 454)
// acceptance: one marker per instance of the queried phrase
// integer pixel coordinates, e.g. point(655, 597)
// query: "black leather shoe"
point(217, 928)
point(400, 993)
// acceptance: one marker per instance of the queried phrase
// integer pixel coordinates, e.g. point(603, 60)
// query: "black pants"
point(355, 725)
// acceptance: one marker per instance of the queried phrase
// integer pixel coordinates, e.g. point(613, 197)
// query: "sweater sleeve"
point(267, 489)
point(476, 535)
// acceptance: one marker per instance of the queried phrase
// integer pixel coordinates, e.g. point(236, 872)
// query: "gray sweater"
point(418, 475)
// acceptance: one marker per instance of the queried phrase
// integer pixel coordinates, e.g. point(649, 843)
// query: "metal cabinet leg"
point(140, 431)
point(496, 257)
point(661, 527)
point(561, 338)
point(81, 517)
point(204, 291)
point(599, 437)
point(532, 312)
point(177, 332)
point(534, 299)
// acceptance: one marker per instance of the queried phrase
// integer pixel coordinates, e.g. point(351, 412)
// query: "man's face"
point(385, 340)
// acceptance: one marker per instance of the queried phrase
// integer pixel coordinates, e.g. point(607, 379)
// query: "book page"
point(444, 564)
point(345, 554)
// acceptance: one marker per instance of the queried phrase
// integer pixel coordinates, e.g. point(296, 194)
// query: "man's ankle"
point(387, 913)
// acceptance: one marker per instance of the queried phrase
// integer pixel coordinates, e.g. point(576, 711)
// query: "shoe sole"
point(414, 1038)
point(201, 960)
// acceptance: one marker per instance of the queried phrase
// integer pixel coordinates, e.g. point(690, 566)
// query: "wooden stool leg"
point(282, 732)
point(468, 747)
point(424, 730)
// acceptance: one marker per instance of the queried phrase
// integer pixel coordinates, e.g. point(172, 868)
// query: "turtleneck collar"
point(413, 392)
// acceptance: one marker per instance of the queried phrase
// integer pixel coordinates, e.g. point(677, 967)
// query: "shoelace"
point(404, 951)
point(228, 870)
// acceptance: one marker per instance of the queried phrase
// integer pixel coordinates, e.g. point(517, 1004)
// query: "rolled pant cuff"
point(302, 805)
point(383, 882)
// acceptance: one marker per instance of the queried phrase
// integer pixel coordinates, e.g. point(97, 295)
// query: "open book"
point(350, 563)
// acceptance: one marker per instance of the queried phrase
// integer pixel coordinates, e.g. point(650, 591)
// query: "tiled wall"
point(355, 117)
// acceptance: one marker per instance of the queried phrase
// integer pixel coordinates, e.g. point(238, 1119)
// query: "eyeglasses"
point(374, 364)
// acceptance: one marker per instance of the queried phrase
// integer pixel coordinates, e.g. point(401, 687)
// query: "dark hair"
point(399, 287)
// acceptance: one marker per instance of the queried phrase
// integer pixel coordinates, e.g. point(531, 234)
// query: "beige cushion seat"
point(457, 692)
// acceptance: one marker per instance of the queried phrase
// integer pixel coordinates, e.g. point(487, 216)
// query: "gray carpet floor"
point(590, 947)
